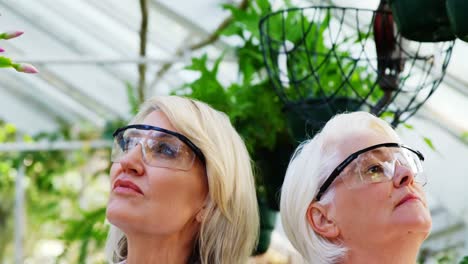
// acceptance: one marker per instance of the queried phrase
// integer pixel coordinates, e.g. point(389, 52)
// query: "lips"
point(407, 198)
point(127, 185)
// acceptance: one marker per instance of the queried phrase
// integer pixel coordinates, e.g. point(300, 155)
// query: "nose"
point(403, 176)
point(132, 162)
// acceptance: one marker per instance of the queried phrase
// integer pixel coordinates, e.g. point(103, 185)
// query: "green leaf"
point(230, 7)
point(232, 30)
point(247, 20)
point(198, 64)
point(238, 20)
point(214, 71)
point(387, 114)
point(464, 137)
point(429, 143)
point(206, 88)
point(83, 252)
point(408, 126)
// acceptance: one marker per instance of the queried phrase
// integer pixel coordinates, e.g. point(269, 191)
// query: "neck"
point(402, 251)
point(149, 249)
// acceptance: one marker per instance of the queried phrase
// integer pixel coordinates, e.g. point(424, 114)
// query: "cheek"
point(371, 201)
point(175, 197)
point(176, 190)
point(188, 188)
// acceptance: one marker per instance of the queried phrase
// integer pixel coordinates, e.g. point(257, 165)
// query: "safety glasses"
point(160, 147)
point(376, 164)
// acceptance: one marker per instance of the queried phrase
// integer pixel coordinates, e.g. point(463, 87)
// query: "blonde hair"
point(229, 231)
point(311, 164)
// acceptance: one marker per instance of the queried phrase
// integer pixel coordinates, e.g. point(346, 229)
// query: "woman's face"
point(375, 212)
point(168, 200)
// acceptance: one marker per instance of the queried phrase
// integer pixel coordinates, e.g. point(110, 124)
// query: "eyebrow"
point(133, 133)
point(381, 152)
point(162, 135)
point(147, 133)
point(158, 134)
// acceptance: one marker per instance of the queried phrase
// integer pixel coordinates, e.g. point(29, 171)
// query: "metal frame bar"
point(101, 61)
point(58, 145)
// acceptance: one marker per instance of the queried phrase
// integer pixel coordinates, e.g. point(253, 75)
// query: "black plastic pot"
point(457, 10)
point(422, 20)
point(267, 225)
point(271, 166)
point(317, 111)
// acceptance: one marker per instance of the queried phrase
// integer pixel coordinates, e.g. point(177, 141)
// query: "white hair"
point(311, 164)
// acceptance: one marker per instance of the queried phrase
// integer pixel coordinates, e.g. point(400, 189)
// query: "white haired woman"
point(182, 189)
point(353, 194)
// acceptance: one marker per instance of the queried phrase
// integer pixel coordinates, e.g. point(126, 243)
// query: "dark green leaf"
point(464, 260)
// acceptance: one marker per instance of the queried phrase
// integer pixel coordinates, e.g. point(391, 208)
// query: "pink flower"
point(11, 34)
point(1, 50)
point(25, 67)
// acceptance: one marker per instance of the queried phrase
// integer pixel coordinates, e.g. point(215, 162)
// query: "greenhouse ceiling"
point(87, 53)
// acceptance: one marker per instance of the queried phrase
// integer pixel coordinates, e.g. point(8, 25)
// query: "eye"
point(123, 142)
point(375, 169)
point(127, 143)
point(120, 141)
point(164, 149)
point(374, 173)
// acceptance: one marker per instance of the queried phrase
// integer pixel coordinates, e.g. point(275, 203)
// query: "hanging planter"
point(319, 69)
point(456, 10)
point(422, 20)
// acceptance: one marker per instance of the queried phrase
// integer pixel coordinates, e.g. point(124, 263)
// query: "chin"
point(417, 220)
point(119, 214)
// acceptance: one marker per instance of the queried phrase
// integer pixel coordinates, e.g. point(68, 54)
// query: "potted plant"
point(456, 10)
point(422, 20)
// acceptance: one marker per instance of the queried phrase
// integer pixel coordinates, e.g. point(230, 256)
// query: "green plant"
point(270, 132)
point(54, 193)
point(253, 107)
point(308, 64)
point(464, 260)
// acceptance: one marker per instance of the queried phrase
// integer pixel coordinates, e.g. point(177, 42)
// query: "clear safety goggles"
point(375, 164)
point(160, 147)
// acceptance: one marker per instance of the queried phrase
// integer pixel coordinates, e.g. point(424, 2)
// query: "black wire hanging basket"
point(324, 59)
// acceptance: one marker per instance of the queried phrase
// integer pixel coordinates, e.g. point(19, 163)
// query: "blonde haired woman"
point(182, 189)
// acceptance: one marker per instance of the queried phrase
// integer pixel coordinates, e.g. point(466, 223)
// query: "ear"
point(321, 221)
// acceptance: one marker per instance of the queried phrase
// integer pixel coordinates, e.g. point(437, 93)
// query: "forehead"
point(159, 119)
point(363, 139)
